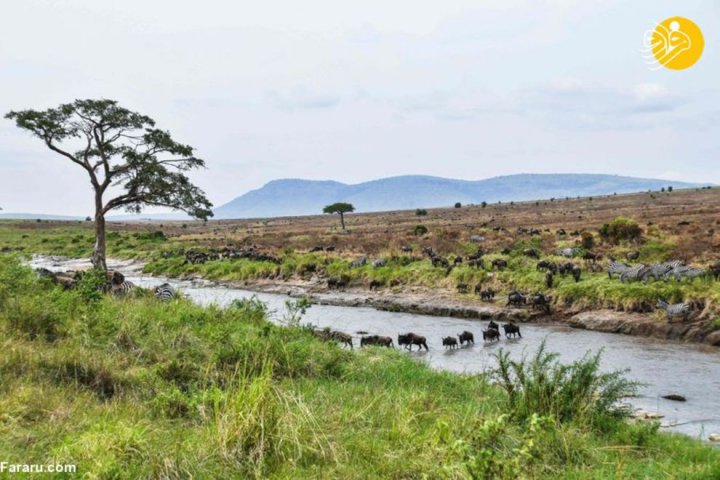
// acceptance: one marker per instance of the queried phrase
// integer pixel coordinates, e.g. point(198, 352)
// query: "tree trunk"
point(342, 220)
point(98, 258)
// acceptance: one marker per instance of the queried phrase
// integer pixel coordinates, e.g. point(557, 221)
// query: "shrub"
point(575, 392)
point(588, 241)
point(420, 230)
point(458, 205)
point(620, 229)
point(483, 204)
point(421, 212)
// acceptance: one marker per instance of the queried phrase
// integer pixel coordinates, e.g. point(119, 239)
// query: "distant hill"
point(289, 197)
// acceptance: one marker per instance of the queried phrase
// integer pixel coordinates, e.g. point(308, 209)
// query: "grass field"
point(137, 388)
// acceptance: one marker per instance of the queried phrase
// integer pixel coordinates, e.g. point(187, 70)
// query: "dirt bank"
point(437, 303)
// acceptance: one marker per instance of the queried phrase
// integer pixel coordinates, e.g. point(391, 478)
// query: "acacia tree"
point(123, 151)
point(342, 208)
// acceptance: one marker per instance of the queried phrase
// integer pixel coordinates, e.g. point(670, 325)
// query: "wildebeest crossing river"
point(663, 367)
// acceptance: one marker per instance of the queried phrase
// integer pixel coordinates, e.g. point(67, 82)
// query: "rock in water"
point(676, 397)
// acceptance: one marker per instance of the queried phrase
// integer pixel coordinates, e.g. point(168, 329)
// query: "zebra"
point(674, 310)
point(660, 270)
point(568, 252)
point(165, 292)
point(121, 289)
point(633, 273)
point(685, 271)
point(617, 268)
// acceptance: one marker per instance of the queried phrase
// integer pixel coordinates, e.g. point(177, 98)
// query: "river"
point(663, 367)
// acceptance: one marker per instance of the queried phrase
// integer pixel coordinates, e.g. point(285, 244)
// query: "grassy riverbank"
point(135, 388)
point(165, 255)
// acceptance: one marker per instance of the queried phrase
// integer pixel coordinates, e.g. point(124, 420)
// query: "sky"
point(354, 91)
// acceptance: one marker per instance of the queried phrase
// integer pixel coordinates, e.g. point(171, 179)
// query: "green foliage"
point(339, 207)
point(421, 212)
point(621, 229)
point(576, 392)
point(458, 205)
point(91, 286)
point(420, 230)
point(137, 388)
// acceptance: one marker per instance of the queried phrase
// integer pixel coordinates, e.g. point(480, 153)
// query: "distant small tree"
point(662, 190)
point(670, 188)
point(340, 208)
point(483, 204)
point(458, 205)
point(588, 241)
point(88, 219)
point(420, 212)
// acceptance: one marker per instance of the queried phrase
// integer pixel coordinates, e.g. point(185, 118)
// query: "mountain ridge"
point(294, 196)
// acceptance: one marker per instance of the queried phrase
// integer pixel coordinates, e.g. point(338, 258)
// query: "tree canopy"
point(342, 208)
point(339, 207)
point(120, 150)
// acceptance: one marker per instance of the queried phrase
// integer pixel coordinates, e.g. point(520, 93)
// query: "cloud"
point(302, 97)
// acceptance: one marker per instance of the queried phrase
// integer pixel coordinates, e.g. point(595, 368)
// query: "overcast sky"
point(353, 91)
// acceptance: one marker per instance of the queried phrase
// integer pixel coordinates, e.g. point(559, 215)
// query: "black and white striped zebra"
point(660, 270)
point(674, 310)
point(121, 289)
point(165, 292)
point(617, 268)
point(684, 271)
point(633, 273)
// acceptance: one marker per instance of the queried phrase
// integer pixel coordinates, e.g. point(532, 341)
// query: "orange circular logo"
point(676, 43)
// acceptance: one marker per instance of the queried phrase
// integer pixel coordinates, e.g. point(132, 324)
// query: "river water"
point(662, 366)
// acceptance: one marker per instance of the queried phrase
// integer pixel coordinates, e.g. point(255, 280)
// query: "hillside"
point(290, 197)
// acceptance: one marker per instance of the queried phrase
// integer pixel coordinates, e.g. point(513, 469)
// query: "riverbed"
point(664, 367)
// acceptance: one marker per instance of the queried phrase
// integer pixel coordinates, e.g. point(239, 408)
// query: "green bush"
point(621, 229)
point(576, 392)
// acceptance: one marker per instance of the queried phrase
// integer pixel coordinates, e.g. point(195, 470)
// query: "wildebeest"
point(546, 265)
point(632, 255)
point(516, 298)
point(334, 335)
point(466, 337)
point(540, 301)
point(531, 252)
point(463, 288)
point(476, 263)
point(715, 270)
point(565, 268)
point(336, 283)
point(317, 248)
point(593, 257)
point(487, 295)
point(549, 279)
point(450, 342)
point(375, 284)
point(457, 260)
point(499, 263)
point(493, 326)
point(380, 262)
point(511, 330)
point(376, 340)
point(576, 273)
point(491, 334)
point(410, 339)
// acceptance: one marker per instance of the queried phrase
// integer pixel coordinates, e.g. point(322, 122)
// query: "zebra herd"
point(666, 271)
point(672, 270)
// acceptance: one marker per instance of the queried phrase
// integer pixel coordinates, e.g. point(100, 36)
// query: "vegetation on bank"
point(138, 388)
point(165, 255)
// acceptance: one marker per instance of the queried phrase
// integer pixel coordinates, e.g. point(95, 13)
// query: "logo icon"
point(676, 43)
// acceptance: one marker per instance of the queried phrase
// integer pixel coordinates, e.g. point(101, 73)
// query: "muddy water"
point(664, 367)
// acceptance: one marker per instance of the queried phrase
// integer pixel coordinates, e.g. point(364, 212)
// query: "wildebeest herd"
point(409, 340)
